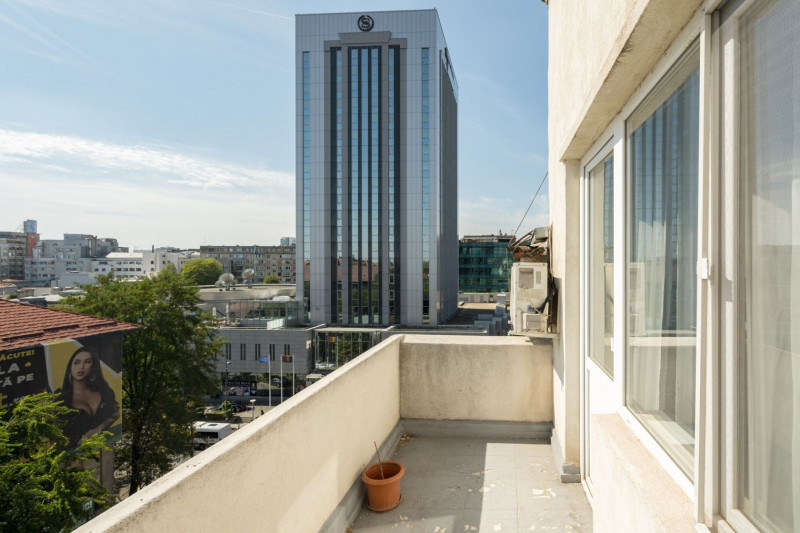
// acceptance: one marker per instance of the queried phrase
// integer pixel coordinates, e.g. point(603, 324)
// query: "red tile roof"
point(25, 325)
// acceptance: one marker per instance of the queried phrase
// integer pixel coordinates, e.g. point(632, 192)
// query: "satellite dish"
point(248, 276)
point(228, 280)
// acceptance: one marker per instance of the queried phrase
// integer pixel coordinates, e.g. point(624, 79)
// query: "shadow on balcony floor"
point(480, 484)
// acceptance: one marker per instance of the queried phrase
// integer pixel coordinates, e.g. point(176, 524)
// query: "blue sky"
point(171, 122)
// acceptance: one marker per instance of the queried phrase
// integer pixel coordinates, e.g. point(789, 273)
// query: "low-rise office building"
point(484, 263)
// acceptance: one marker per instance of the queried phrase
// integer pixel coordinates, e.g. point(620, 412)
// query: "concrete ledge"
point(473, 428)
point(289, 468)
point(631, 491)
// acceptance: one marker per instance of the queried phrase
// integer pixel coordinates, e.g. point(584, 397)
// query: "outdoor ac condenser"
point(528, 294)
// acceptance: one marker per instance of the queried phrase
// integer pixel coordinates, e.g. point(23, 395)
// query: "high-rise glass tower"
point(377, 177)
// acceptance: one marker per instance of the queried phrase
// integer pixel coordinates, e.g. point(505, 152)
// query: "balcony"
point(469, 417)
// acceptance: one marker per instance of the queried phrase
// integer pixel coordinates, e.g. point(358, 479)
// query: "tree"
point(42, 485)
point(166, 366)
point(272, 279)
point(202, 271)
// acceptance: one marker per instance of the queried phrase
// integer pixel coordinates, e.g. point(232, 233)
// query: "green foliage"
point(166, 366)
point(44, 487)
point(272, 279)
point(202, 271)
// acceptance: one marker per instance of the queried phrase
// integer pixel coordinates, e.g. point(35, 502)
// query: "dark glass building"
point(377, 181)
point(484, 264)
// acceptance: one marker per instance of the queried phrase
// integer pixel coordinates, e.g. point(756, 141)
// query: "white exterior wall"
point(604, 57)
point(590, 79)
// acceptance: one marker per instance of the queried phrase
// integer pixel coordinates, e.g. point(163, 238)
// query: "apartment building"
point(264, 260)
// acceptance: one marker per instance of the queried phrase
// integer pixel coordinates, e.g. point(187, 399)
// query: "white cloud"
point(139, 194)
point(18, 147)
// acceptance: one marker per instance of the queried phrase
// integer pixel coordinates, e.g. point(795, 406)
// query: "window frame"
point(694, 30)
point(609, 146)
point(726, 183)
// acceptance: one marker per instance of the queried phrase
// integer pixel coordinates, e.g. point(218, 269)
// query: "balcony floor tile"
point(480, 484)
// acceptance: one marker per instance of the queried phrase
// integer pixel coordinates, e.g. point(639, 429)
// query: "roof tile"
point(25, 325)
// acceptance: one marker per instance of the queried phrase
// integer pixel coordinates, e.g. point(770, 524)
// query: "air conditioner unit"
point(529, 286)
point(534, 322)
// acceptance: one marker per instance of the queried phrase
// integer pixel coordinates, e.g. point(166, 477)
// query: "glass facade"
point(332, 349)
point(426, 182)
point(306, 154)
point(363, 143)
point(484, 265)
point(393, 134)
point(337, 171)
point(377, 221)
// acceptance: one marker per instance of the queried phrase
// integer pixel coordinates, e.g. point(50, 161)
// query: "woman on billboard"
point(86, 390)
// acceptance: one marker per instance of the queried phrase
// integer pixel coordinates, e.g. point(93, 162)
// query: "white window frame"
point(617, 130)
point(725, 170)
point(610, 144)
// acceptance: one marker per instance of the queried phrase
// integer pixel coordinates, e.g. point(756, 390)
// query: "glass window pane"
point(769, 268)
point(662, 256)
point(601, 264)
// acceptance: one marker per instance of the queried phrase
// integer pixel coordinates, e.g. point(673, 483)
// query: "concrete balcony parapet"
point(291, 469)
point(476, 378)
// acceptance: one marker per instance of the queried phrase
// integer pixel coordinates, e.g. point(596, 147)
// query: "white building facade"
point(377, 239)
point(139, 263)
point(674, 132)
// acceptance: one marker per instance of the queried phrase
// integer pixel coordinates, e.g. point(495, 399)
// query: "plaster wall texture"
point(599, 53)
point(631, 491)
point(297, 461)
point(565, 265)
point(475, 378)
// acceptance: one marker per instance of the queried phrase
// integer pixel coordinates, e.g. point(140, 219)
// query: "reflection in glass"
point(769, 267)
point(426, 208)
point(662, 285)
point(306, 186)
point(601, 264)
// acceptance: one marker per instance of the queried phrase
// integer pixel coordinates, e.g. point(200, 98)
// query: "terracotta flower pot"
point(383, 494)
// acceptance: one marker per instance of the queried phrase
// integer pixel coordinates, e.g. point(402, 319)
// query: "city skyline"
point(172, 125)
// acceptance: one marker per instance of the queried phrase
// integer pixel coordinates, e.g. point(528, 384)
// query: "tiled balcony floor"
point(478, 484)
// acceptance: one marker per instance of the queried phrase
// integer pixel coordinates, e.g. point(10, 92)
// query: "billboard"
point(86, 373)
